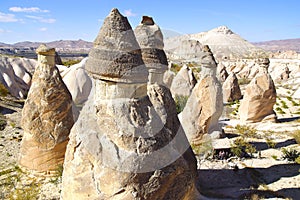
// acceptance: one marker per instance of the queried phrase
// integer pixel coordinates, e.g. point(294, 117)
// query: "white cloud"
point(41, 19)
point(129, 13)
point(4, 31)
point(28, 10)
point(7, 17)
point(43, 29)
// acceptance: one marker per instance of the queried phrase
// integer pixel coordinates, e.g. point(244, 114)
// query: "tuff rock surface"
point(150, 39)
point(260, 97)
point(205, 105)
point(184, 82)
point(127, 142)
point(231, 89)
point(46, 117)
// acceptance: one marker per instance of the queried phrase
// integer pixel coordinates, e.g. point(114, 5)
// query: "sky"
point(50, 20)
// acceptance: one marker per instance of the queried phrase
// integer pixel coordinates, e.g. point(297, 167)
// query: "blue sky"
point(49, 20)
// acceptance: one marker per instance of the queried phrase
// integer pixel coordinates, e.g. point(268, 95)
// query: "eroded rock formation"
point(127, 142)
point(205, 105)
point(150, 39)
point(231, 89)
point(46, 117)
point(184, 82)
point(260, 97)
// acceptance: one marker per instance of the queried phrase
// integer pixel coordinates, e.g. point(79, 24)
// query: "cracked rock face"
point(127, 142)
point(46, 117)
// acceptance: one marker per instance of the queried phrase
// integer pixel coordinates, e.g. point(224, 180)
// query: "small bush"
point(283, 104)
point(270, 143)
point(180, 102)
point(274, 157)
point(58, 175)
point(298, 160)
point(290, 154)
point(246, 131)
point(3, 90)
point(175, 68)
point(296, 136)
point(68, 63)
point(244, 81)
point(3, 122)
point(279, 110)
point(242, 148)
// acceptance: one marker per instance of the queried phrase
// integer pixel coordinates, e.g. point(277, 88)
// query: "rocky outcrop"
point(231, 89)
point(150, 39)
point(77, 81)
point(222, 73)
point(127, 142)
point(184, 82)
point(285, 75)
point(15, 75)
point(260, 97)
point(46, 117)
point(205, 105)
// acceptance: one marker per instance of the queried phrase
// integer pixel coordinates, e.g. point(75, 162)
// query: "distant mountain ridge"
point(72, 44)
point(272, 45)
point(280, 45)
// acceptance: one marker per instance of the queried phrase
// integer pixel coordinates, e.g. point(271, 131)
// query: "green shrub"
point(175, 68)
point(3, 122)
point(296, 136)
point(279, 110)
point(246, 131)
point(241, 147)
point(58, 175)
point(244, 81)
point(283, 104)
point(270, 143)
point(180, 102)
point(3, 90)
point(68, 63)
point(298, 160)
point(290, 154)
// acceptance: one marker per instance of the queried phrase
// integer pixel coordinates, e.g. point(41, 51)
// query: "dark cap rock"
point(116, 55)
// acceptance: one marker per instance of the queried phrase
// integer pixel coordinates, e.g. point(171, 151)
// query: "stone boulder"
point(205, 105)
point(127, 142)
point(183, 83)
point(231, 89)
point(259, 98)
point(46, 117)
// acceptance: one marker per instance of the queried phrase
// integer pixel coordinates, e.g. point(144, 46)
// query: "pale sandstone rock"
point(127, 142)
point(77, 81)
point(150, 39)
point(205, 105)
point(260, 97)
point(183, 83)
point(222, 73)
point(231, 89)
point(15, 75)
point(46, 117)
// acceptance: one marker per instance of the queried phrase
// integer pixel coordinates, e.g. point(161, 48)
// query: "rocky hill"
point(222, 41)
point(280, 45)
